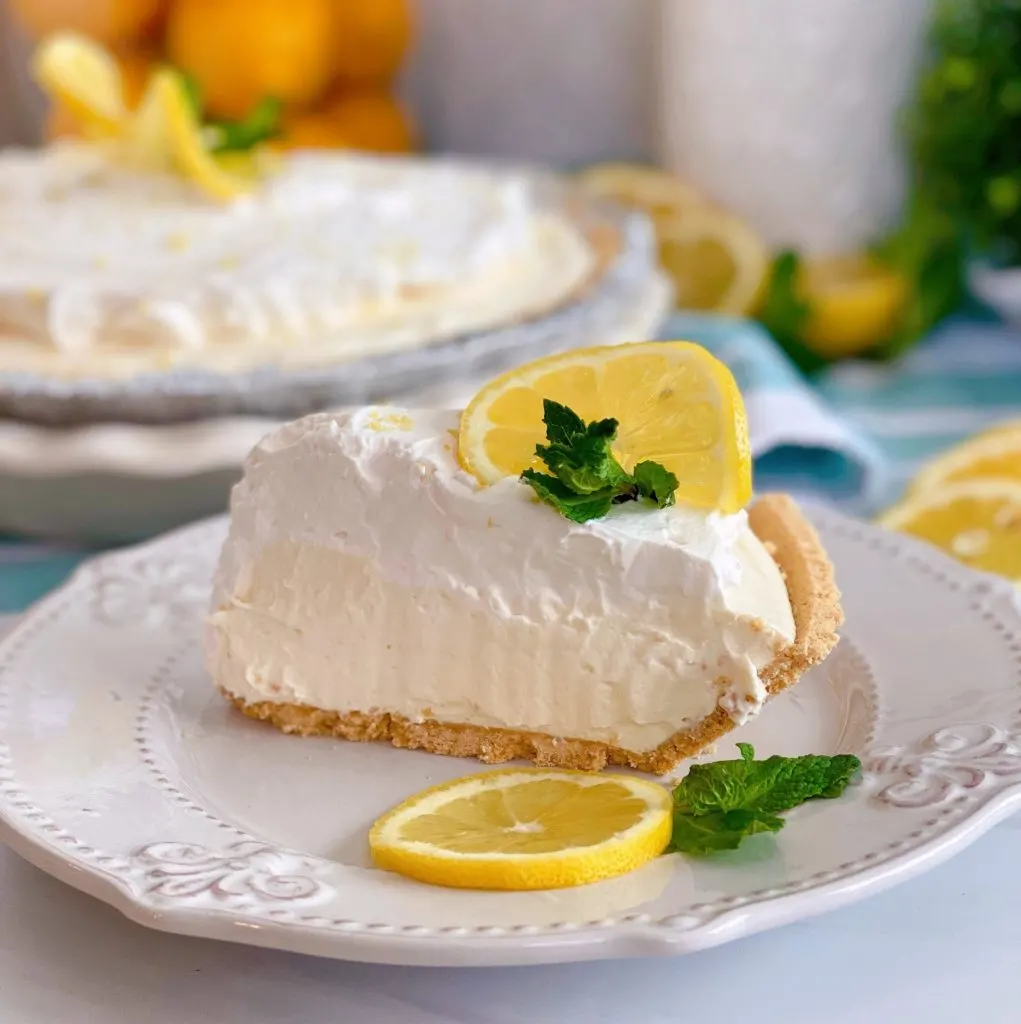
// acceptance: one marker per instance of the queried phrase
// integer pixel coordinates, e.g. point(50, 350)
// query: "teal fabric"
point(852, 437)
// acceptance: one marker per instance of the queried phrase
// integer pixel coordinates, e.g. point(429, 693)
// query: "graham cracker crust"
point(815, 601)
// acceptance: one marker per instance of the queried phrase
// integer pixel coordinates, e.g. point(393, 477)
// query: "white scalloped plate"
point(125, 775)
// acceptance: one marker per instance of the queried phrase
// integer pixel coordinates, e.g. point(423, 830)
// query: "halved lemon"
point(658, 193)
point(1003, 427)
point(976, 521)
point(674, 402)
point(993, 454)
point(185, 142)
point(525, 828)
point(85, 80)
point(854, 303)
point(716, 261)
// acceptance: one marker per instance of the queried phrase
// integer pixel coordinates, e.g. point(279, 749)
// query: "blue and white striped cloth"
point(852, 438)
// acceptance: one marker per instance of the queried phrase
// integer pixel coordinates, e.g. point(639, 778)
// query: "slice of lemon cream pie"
point(565, 572)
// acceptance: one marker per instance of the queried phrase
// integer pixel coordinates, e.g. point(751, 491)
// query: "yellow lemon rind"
point(85, 79)
point(953, 466)
point(190, 155)
point(901, 515)
point(746, 249)
point(649, 188)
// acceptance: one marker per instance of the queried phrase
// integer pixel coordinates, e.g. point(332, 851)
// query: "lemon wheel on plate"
point(977, 521)
point(525, 828)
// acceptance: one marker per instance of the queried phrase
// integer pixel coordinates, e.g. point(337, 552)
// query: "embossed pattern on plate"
point(124, 773)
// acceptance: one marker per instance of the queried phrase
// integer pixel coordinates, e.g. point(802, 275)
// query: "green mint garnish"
point(585, 479)
point(717, 805)
point(260, 124)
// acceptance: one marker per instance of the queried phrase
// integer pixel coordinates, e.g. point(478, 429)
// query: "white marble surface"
point(941, 949)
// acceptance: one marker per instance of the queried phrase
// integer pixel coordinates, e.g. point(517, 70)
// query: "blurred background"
point(835, 190)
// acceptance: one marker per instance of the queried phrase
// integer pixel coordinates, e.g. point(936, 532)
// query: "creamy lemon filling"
point(365, 571)
point(110, 271)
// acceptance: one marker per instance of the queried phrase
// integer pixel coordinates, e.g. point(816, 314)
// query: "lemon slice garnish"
point(85, 79)
point(525, 829)
point(976, 521)
point(993, 454)
point(675, 404)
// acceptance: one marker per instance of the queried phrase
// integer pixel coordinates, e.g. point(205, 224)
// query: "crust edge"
point(815, 601)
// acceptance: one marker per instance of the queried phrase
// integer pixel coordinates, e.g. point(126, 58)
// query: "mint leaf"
point(745, 796)
point(577, 507)
point(699, 836)
point(587, 464)
point(656, 483)
point(774, 785)
point(585, 479)
point(563, 425)
point(261, 123)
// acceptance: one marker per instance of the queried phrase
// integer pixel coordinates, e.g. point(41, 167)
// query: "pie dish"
point(130, 296)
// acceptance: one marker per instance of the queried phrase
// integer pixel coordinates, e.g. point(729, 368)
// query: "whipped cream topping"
point(108, 271)
point(364, 570)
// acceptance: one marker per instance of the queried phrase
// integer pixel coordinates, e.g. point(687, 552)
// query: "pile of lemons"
point(331, 63)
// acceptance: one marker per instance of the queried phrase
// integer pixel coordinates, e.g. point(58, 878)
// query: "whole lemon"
point(241, 51)
point(106, 21)
point(361, 119)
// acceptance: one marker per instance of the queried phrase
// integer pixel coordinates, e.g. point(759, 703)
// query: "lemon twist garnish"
point(85, 78)
point(165, 133)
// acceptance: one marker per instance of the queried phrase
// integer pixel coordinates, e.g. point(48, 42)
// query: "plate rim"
point(629, 935)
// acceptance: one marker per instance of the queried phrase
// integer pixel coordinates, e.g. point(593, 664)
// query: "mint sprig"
point(717, 805)
point(260, 124)
point(585, 479)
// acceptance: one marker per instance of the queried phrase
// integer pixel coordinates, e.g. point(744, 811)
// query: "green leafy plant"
point(585, 479)
point(718, 805)
point(963, 132)
point(964, 129)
